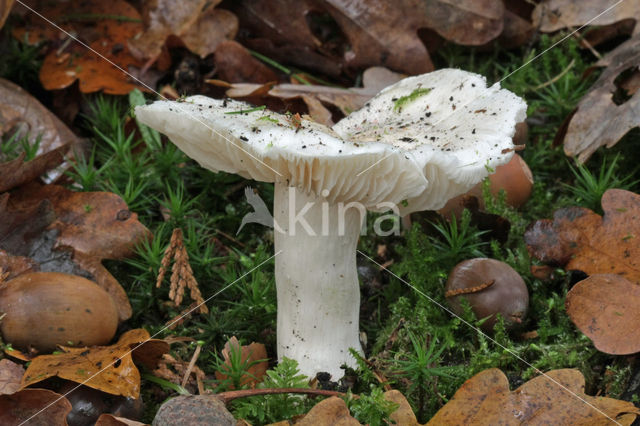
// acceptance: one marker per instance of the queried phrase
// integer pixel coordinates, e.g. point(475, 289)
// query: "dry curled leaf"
point(486, 399)
point(10, 376)
point(553, 15)
point(110, 369)
point(580, 239)
point(22, 115)
point(104, 26)
point(377, 32)
point(610, 109)
point(254, 355)
point(605, 307)
point(25, 407)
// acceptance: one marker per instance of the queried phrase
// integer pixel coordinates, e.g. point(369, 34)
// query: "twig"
point(192, 363)
point(229, 396)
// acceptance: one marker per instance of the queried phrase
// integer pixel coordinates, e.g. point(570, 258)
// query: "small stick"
point(229, 396)
point(192, 363)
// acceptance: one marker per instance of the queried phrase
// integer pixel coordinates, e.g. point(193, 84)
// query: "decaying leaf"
point(110, 369)
point(213, 27)
point(601, 119)
point(553, 15)
point(378, 32)
point(104, 26)
point(605, 307)
point(199, 25)
point(25, 407)
point(5, 8)
point(111, 420)
point(235, 64)
point(16, 265)
point(10, 376)
point(23, 115)
point(580, 239)
point(254, 355)
point(90, 225)
point(403, 415)
point(329, 412)
point(486, 399)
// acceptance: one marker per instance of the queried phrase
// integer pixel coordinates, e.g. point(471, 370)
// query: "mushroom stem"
point(316, 280)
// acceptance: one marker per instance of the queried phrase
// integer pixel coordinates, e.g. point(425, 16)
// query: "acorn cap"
point(416, 144)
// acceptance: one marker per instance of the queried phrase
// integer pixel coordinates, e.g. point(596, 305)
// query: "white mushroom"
point(416, 144)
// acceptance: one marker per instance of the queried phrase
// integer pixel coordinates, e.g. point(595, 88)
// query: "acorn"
point(490, 287)
point(45, 309)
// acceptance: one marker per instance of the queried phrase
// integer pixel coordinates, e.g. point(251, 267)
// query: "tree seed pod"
point(491, 287)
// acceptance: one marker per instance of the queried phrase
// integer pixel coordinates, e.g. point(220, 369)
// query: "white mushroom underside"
point(381, 153)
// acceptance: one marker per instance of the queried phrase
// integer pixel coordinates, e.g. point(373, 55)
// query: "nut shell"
point(508, 295)
point(46, 309)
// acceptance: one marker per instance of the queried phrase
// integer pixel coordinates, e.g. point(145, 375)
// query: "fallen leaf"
point(104, 26)
point(10, 376)
point(23, 114)
point(213, 27)
point(516, 30)
point(254, 355)
point(235, 64)
point(92, 225)
point(20, 223)
point(111, 420)
point(486, 399)
point(107, 368)
point(403, 415)
point(5, 8)
point(605, 308)
point(26, 407)
point(196, 23)
point(601, 120)
point(553, 15)
point(377, 32)
point(579, 239)
point(332, 411)
point(16, 265)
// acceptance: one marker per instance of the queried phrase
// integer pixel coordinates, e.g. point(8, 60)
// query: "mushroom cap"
point(409, 143)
